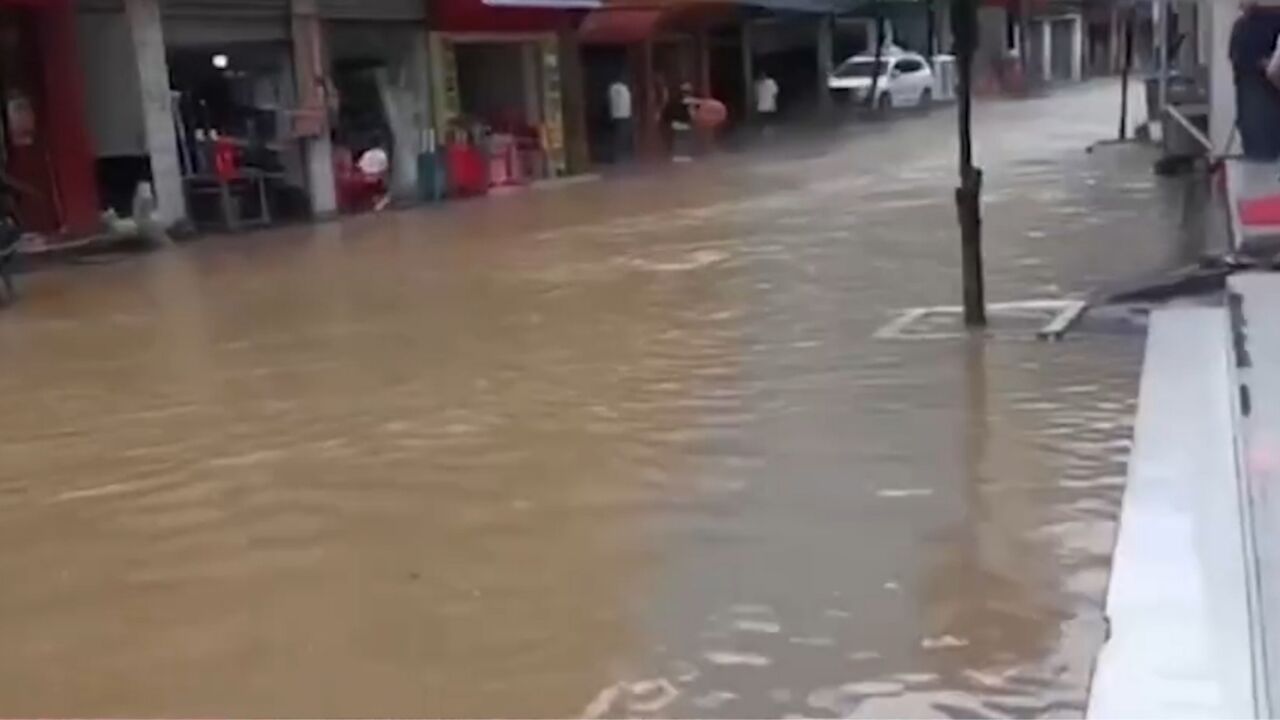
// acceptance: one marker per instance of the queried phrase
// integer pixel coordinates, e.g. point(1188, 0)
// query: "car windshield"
point(858, 68)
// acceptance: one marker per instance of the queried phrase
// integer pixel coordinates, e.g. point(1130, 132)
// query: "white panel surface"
point(1180, 643)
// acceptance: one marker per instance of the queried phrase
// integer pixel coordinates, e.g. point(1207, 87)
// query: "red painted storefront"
point(46, 140)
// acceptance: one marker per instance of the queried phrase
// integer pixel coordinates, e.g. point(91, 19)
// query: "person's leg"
point(622, 139)
point(1252, 120)
point(681, 142)
point(1269, 126)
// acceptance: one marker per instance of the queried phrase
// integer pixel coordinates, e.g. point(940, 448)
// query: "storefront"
point(377, 61)
point(44, 143)
point(657, 47)
point(507, 108)
point(232, 82)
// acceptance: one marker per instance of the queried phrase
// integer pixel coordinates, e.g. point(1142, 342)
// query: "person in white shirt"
point(375, 165)
point(620, 120)
point(766, 100)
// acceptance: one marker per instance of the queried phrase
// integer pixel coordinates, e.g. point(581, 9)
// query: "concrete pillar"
point(572, 84)
point(147, 34)
point(70, 155)
point(530, 62)
point(824, 63)
point(702, 43)
point(748, 60)
point(310, 64)
point(1077, 50)
point(1222, 102)
point(945, 40)
point(651, 145)
point(1046, 50)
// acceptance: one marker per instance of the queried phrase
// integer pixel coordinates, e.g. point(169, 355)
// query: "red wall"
point(60, 160)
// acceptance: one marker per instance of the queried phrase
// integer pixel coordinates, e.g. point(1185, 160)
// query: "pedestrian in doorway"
point(766, 91)
point(1253, 41)
point(620, 120)
point(678, 116)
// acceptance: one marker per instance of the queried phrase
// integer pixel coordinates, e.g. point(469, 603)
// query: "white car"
point(906, 80)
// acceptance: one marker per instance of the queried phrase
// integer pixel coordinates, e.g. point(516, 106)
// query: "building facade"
point(45, 143)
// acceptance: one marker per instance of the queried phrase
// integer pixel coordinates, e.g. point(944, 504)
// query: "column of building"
point(147, 34)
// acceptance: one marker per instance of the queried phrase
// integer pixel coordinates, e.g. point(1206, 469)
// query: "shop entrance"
point(601, 66)
point(24, 149)
point(500, 99)
point(240, 164)
point(498, 84)
point(378, 70)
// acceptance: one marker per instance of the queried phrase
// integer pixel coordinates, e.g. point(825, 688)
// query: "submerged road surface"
point(623, 447)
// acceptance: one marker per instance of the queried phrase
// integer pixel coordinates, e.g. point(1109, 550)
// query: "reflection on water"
point(621, 448)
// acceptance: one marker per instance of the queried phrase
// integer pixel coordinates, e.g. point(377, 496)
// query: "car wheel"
point(926, 99)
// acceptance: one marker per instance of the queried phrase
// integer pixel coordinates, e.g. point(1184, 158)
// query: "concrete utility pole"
point(964, 24)
point(147, 34)
point(1024, 43)
point(1126, 68)
point(878, 59)
point(825, 50)
point(312, 76)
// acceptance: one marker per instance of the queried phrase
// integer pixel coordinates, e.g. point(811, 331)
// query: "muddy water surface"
point(626, 447)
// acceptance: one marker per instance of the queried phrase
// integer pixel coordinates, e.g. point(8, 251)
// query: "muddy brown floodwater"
point(623, 447)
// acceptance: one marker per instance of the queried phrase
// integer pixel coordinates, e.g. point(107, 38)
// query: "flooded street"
point(618, 447)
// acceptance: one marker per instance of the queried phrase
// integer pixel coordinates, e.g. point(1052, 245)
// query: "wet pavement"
point(621, 447)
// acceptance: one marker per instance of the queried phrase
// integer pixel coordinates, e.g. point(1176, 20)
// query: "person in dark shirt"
point(678, 117)
point(1253, 38)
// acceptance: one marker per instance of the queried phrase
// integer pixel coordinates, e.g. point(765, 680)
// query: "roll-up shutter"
point(99, 6)
point(204, 22)
point(407, 10)
point(244, 9)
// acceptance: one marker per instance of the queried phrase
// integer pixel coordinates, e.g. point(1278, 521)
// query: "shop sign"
point(446, 104)
point(20, 118)
point(452, 100)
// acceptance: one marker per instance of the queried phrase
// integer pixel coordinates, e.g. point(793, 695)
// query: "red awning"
point(619, 26)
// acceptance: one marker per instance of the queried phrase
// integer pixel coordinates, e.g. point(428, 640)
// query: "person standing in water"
point(620, 120)
point(766, 102)
point(1253, 40)
point(678, 116)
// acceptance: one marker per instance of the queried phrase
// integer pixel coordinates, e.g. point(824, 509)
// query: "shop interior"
point(240, 163)
point(381, 108)
point(601, 66)
point(500, 99)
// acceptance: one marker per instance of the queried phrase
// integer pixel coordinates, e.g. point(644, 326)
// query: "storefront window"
point(239, 162)
point(508, 107)
point(379, 76)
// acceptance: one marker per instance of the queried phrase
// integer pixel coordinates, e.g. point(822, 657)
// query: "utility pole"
point(964, 25)
point(1024, 42)
point(1129, 21)
point(877, 64)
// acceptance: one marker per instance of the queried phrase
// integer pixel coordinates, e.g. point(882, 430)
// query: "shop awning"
point(619, 26)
